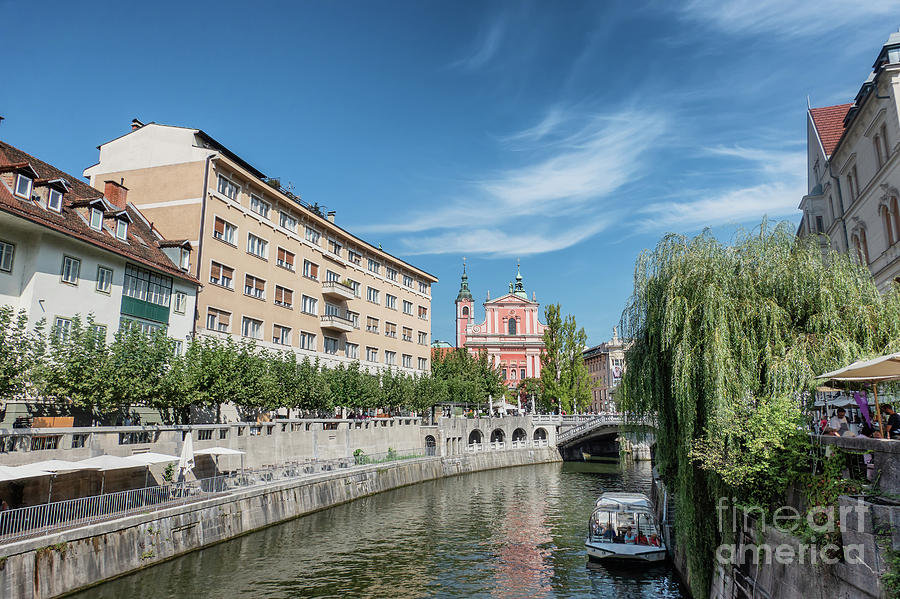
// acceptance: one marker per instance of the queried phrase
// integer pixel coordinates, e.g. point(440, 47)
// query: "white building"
point(67, 249)
point(853, 171)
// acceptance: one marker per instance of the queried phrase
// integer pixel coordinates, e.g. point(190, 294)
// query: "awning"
point(884, 368)
point(57, 466)
point(111, 462)
point(8, 473)
point(148, 458)
point(218, 451)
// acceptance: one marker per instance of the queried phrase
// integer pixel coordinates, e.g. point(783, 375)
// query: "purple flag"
point(863, 403)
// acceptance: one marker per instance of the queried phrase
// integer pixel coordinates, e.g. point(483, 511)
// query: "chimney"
point(136, 124)
point(331, 214)
point(115, 193)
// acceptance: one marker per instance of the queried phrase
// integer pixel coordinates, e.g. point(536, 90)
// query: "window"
point(390, 329)
point(6, 256)
point(96, 219)
point(390, 273)
point(372, 354)
point(853, 183)
point(252, 328)
point(121, 229)
point(371, 324)
point(179, 347)
point(407, 334)
point(185, 261)
point(879, 154)
point(522, 373)
point(407, 307)
point(224, 231)
point(424, 287)
point(312, 236)
point(310, 305)
point(354, 257)
point(257, 246)
point(221, 275)
point(259, 206)
point(390, 358)
point(281, 335)
point(99, 330)
point(310, 270)
point(407, 281)
point(354, 285)
point(511, 326)
point(307, 341)
point(354, 318)
point(285, 259)
point(331, 345)
point(372, 294)
point(70, 269)
point(23, 187)
point(227, 188)
point(334, 247)
point(423, 312)
point(503, 373)
point(254, 287)
point(54, 200)
point(104, 279)
point(332, 276)
point(62, 327)
point(180, 302)
point(407, 361)
point(217, 320)
point(351, 350)
point(884, 142)
point(332, 310)
point(287, 222)
point(374, 266)
point(284, 297)
point(465, 311)
point(423, 363)
point(423, 338)
point(147, 286)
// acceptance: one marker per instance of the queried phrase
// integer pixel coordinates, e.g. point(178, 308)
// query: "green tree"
point(138, 367)
point(564, 376)
point(76, 369)
point(725, 341)
point(20, 351)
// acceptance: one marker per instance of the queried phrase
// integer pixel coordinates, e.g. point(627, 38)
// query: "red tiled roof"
point(829, 122)
point(142, 244)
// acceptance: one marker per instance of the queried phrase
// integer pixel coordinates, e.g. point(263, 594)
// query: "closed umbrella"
point(186, 462)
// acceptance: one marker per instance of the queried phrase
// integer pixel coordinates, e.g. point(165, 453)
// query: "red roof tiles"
point(142, 244)
point(829, 122)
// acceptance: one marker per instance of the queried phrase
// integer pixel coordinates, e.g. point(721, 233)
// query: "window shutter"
point(314, 270)
point(220, 226)
point(216, 271)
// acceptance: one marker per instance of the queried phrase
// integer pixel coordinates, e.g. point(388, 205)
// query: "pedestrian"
point(892, 425)
point(839, 422)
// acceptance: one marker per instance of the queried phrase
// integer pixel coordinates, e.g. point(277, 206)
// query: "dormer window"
point(54, 200)
point(23, 186)
point(96, 219)
point(121, 229)
point(185, 261)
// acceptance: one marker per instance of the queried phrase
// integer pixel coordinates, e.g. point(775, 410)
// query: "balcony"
point(337, 323)
point(337, 289)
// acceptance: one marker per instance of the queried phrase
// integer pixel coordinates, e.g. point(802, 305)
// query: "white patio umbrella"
point(9, 473)
point(881, 369)
point(54, 467)
point(217, 451)
point(149, 458)
point(109, 462)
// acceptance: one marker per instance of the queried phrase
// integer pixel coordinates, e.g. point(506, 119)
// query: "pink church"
point(511, 333)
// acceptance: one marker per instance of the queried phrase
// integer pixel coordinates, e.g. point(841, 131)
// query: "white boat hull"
point(624, 551)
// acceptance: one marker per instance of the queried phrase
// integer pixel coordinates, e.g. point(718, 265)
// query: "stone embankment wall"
point(61, 563)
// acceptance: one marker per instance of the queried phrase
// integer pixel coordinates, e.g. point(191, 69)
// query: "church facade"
point(511, 333)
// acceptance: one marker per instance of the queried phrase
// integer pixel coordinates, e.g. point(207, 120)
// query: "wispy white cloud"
point(785, 18)
point(779, 181)
point(485, 47)
point(576, 163)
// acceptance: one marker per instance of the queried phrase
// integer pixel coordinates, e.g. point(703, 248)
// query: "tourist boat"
point(635, 536)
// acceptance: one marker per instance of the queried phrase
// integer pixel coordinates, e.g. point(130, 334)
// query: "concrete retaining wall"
point(58, 564)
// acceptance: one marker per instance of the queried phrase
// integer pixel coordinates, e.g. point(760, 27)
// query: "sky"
point(567, 135)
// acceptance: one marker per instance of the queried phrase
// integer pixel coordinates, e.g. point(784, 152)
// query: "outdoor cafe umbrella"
point(186, 461)
point(149, 458)
point(10, 473)
point(217, 451)
point(54, 467)
point(109, 462)
point(876, 370)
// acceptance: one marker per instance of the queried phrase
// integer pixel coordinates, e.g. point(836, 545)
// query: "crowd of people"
point(626, 534)
point(839, 424)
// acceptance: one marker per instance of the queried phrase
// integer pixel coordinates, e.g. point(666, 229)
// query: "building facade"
point(854, 172)
point(67, 249)
point(606, 365)
point(510, 334)
point(274, 269)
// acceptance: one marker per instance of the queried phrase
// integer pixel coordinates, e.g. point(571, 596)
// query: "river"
point(510, 533)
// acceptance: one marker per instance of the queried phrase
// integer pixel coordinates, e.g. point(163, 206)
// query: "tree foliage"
point(565, 379)
point(470, 379)
point(725, 341)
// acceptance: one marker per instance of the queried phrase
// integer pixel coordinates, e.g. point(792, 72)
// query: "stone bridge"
point(596, 434)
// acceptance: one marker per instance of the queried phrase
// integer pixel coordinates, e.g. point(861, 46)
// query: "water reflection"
point(506, 534)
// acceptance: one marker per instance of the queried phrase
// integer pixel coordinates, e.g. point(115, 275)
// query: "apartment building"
point(67, 249)
point(274, 269)
point(606, 365)
point(854, 171)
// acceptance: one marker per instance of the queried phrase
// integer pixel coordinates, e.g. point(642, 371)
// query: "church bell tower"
point(463, 308)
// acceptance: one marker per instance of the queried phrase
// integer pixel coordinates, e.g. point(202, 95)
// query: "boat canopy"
point(624, 502)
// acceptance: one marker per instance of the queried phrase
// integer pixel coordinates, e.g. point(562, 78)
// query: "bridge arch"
point(497, 435)
point(519, 435)
point(475, 437)
point(540, 434)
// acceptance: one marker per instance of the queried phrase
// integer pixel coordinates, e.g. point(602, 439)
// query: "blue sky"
point(571, 135)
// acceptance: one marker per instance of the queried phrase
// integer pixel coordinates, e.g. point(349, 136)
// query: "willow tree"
point(723, 335)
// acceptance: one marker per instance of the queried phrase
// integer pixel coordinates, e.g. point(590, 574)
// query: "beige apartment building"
point(274, 269)
point(606, 365)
